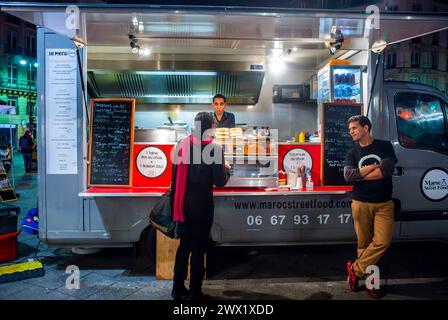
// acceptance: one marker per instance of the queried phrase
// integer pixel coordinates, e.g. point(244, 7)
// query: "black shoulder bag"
point(161, 216)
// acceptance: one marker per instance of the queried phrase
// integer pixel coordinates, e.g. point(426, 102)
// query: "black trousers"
point(27, 159)
point(194, 241)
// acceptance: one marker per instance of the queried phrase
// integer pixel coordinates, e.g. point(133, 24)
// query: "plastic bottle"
point(309, 183)
point(301, 137)
point(307, 136)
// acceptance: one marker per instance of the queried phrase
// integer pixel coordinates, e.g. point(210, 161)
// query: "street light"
point(30, 65)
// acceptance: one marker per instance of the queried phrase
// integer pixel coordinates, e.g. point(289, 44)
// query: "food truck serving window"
point(421, 121)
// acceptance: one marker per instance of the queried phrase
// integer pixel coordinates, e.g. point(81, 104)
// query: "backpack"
point(31, 222)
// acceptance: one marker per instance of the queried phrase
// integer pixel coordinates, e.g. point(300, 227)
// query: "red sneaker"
point(375, 293)
point(352, 279)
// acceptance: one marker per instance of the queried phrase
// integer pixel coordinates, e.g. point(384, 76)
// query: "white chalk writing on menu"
point(111, 142)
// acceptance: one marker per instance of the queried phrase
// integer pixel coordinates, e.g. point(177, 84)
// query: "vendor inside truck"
point(223, 118)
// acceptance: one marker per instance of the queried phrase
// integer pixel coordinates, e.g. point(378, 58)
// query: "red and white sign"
point(308, 154)
point(152, 166)
point(297, 157)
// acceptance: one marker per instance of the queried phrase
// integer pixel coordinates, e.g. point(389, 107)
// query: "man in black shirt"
point(369, 166)
point(223, 119)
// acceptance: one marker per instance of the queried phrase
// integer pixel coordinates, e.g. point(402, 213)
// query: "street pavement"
point(414, 270)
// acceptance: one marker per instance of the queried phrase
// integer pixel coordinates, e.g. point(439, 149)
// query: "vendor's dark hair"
point(219, 96)
point(363, 121)
point(206, 121)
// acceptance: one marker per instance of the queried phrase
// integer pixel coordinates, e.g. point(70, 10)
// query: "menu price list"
point(111, 141)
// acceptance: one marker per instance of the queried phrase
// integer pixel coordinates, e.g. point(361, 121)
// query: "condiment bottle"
point(309, 183)
point(301, 137)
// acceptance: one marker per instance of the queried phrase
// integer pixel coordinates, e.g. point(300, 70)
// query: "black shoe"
point(180, 294)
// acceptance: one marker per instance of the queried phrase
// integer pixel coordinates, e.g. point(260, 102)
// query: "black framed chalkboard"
point(111, 141)
point(336, 140)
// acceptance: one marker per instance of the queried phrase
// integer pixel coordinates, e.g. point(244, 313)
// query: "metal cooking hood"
point(189, 82)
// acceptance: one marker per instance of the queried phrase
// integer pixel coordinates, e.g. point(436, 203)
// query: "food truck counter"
point(156, 192)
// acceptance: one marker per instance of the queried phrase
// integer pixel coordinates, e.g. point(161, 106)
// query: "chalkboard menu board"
point(336, 140)
point(111, 140)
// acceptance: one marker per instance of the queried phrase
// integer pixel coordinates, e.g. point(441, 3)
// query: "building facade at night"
point(422, 60)
point(18, 68)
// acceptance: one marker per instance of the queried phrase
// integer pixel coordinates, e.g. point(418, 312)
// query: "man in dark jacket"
point(26, 144)
point(199, 179)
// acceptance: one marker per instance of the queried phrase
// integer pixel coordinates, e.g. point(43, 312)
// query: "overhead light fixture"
point(178, 73)
point(133, 43)
point(78, 42)
point(379, 46)
point(277, 65)
point(180, 96)
point(337, 44)
point(135, 48)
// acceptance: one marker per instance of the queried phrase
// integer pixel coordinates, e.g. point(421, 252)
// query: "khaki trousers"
point(374, 225)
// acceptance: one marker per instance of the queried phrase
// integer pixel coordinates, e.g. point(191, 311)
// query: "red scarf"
point(182, 174)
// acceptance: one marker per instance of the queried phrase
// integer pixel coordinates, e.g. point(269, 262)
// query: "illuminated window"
point(420, 121)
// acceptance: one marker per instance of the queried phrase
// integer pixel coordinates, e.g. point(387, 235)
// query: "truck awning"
point(108, 25)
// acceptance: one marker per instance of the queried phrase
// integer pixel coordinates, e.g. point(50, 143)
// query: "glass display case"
point(252, 171)
point(252, 154)
point(339, 83)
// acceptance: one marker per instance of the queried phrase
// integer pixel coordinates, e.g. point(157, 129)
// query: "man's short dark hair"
point(363, 121)
point(219, 96)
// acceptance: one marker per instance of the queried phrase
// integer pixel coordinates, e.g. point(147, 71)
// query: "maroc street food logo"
point(368, 160)
point(295, 158)
point(434, 184)
point(151, 162)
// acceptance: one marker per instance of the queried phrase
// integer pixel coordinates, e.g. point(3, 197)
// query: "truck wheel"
point(145, 250)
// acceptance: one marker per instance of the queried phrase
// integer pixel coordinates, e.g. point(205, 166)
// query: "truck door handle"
point(398, 171)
